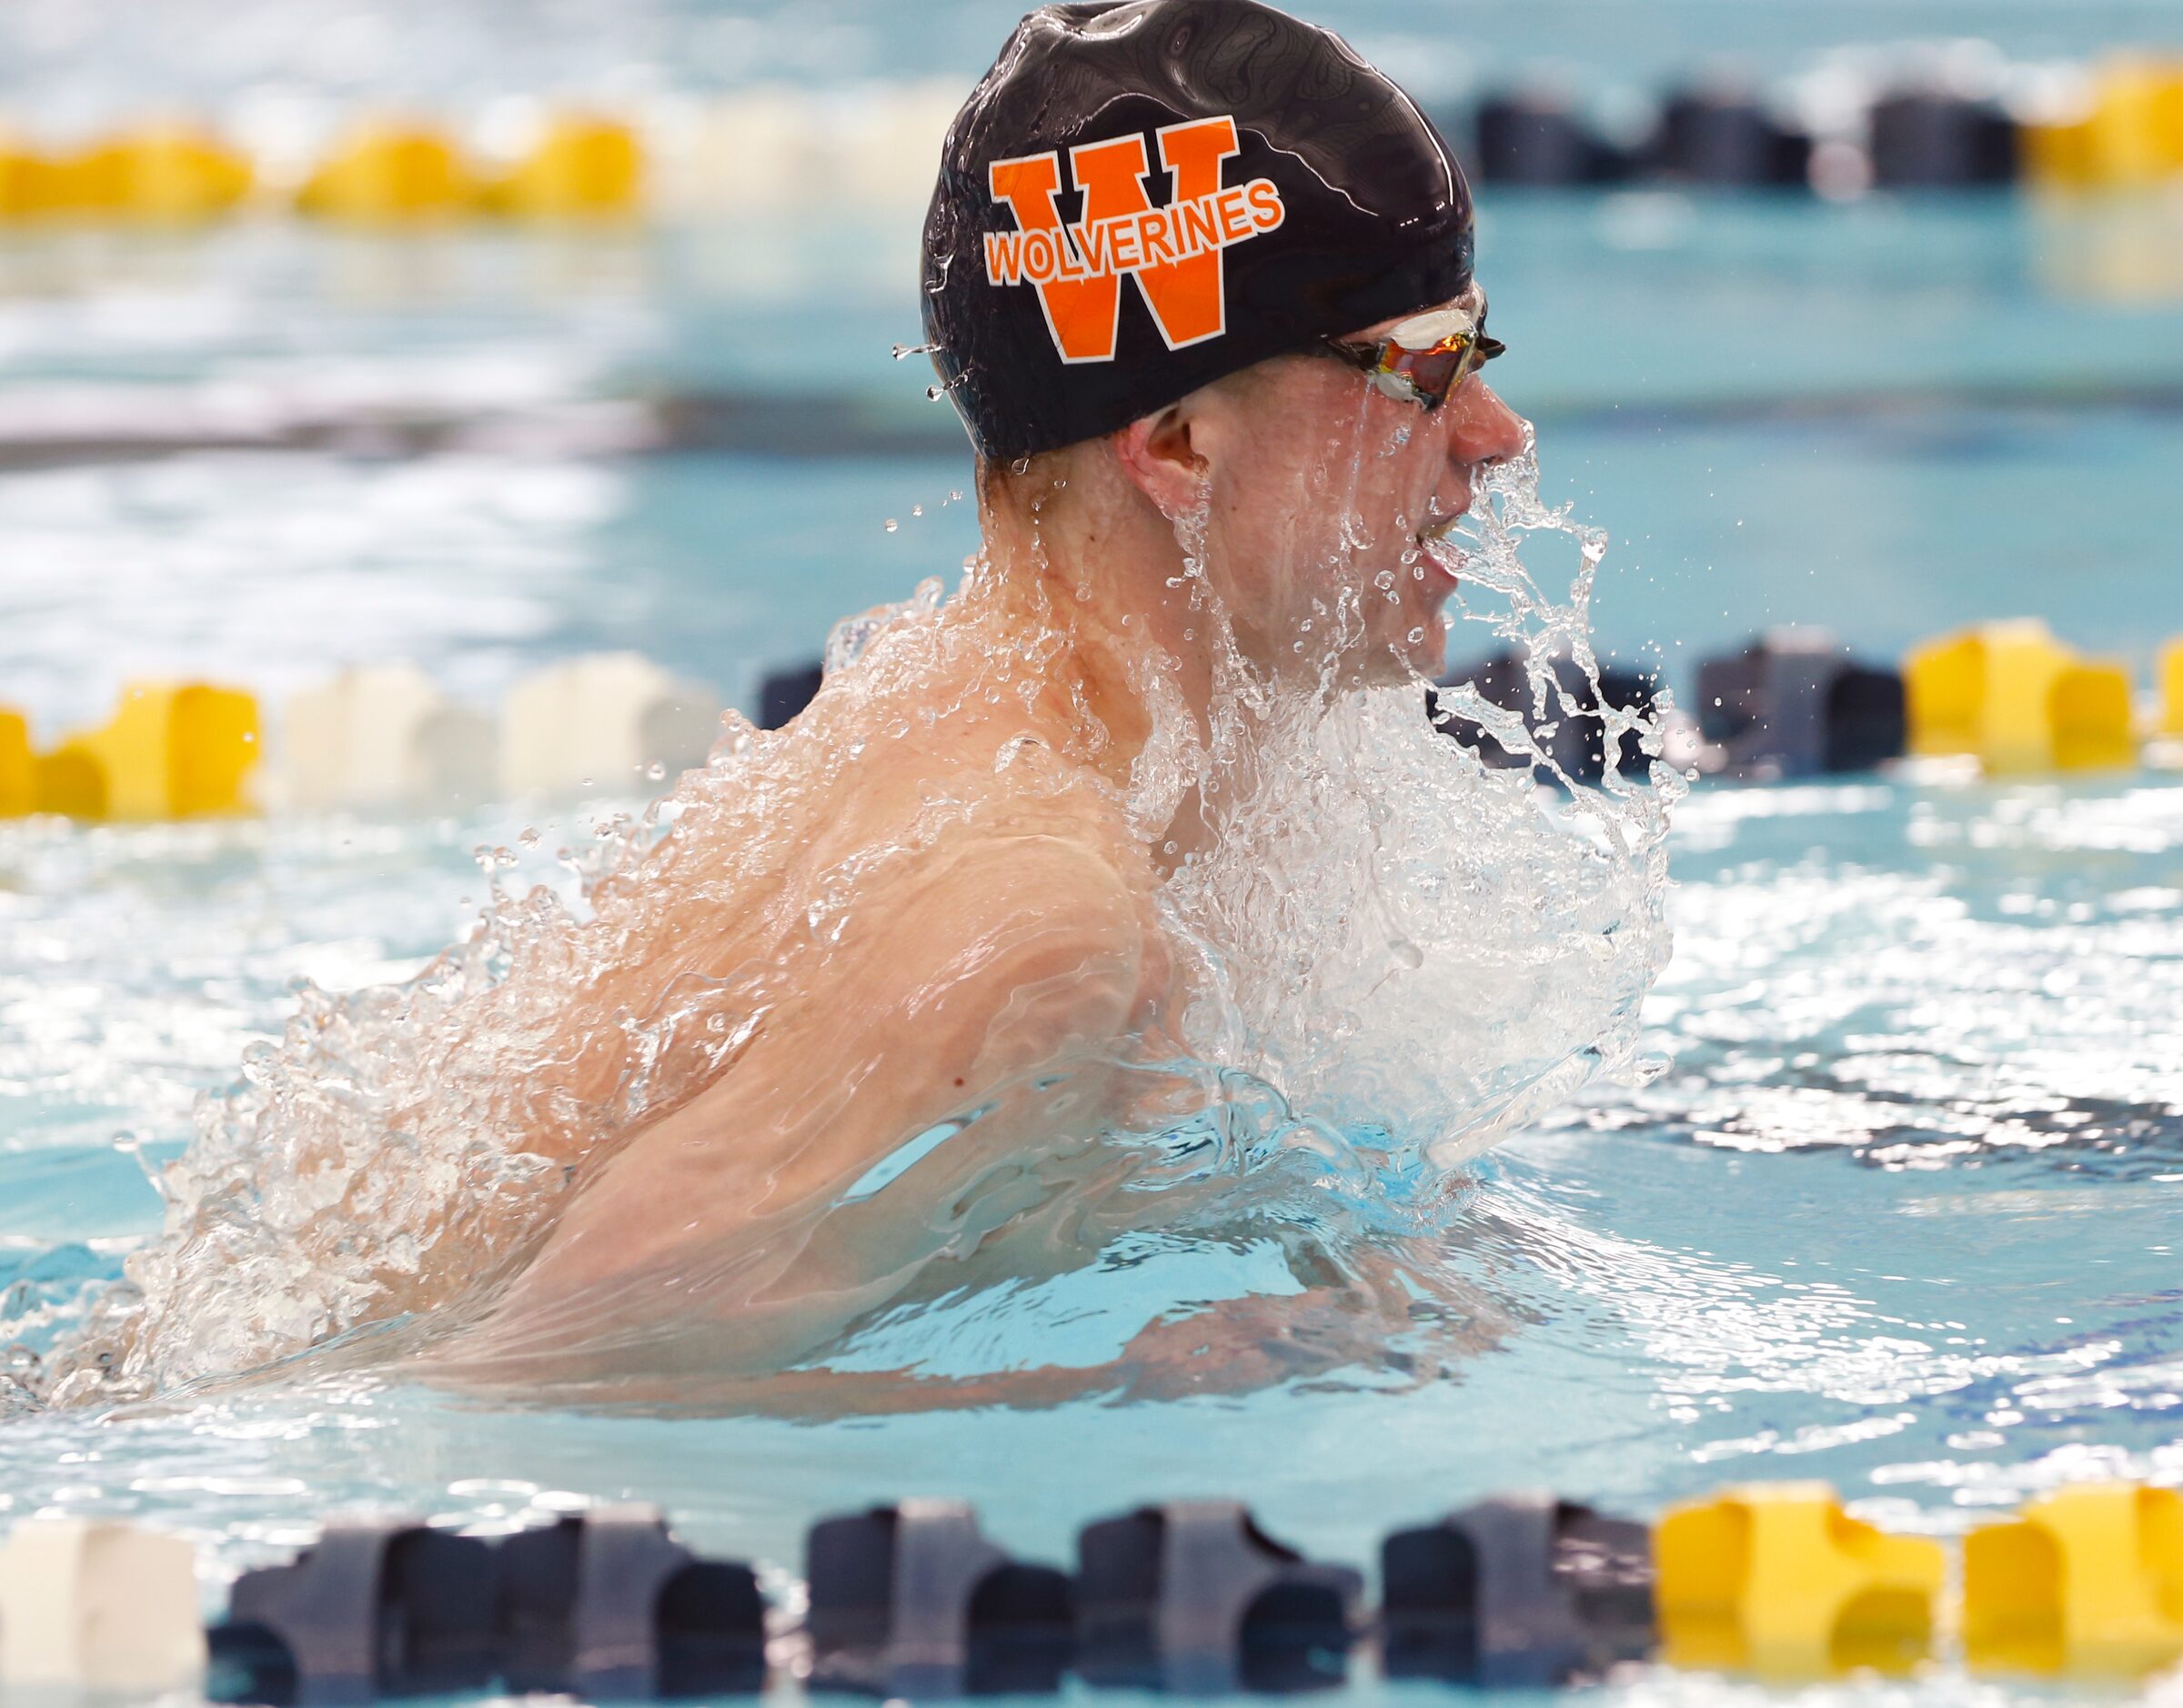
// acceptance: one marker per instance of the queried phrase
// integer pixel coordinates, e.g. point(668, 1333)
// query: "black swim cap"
point(1143, 195)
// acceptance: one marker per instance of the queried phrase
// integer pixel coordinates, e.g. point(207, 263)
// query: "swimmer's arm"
point(1225, 1347)
point(1008, 954)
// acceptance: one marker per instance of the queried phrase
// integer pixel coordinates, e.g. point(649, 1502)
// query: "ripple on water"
point(1963, 976)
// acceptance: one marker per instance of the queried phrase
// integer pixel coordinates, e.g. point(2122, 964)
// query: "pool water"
point(100, 57)
point(262, 451)
point(1901, 1215)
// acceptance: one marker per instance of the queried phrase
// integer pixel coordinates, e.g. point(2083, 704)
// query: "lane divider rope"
point(2006, 697)
point(2113, 124)
point(1192, 1598)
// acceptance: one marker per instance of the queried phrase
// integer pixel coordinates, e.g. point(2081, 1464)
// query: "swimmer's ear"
point(1161, 459)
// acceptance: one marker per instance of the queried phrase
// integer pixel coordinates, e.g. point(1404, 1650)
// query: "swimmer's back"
point(955, 905)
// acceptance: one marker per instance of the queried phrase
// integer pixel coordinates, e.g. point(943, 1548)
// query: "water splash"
point(1414, 947)
point(1387, 954)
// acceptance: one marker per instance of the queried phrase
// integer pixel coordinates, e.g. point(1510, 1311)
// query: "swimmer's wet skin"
point(1025, 939)
point(959, 889)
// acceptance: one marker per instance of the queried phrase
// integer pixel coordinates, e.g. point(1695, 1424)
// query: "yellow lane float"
point(2019, 700)
point(1778, 1580)
point(98, 1605)
point(2171, 690)
point(29, 182)
point(586, 168)
point(391, 173)
point(173, 751)
point(2131, 137)
point(164, 174)
point(383, 735)
point(604, 719)
point(2089, 1579)
point(18, 768)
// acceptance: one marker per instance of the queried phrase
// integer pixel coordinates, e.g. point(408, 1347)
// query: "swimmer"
point(1126, 422)
point(1183, 259)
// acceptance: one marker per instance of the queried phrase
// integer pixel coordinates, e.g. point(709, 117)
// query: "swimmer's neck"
point(1105, 575)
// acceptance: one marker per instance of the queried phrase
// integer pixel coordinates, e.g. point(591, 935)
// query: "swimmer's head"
point(1145, 195)
point(1154, 217)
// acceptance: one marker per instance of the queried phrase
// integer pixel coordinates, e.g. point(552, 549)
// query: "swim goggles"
point(1423, 359)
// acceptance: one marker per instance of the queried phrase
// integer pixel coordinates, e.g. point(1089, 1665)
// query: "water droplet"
point(955, 498)
point(655, 770)
point(131, 1145)
point(892, 525)
point(917, 509)
point(529, 838)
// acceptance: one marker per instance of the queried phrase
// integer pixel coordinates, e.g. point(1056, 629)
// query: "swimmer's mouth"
point(1438, 544)
point(1437, 534)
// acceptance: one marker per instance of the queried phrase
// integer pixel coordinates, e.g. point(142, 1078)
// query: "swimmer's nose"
point(1482, 430)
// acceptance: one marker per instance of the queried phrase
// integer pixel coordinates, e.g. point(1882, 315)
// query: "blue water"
point(1901, 1215)
point(95, 57)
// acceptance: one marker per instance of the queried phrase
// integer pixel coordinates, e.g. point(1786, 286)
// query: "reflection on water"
point(2022, 991)
point(263, 570)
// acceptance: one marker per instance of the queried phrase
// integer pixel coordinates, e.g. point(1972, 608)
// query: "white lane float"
point(98, 1605)
point(604, 720)
point(385, 735)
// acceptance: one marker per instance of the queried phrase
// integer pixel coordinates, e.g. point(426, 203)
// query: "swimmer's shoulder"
point(977, 805)
point(1031, 854)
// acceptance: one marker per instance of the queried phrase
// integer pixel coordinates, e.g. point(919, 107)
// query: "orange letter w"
point(1083, 311)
